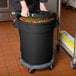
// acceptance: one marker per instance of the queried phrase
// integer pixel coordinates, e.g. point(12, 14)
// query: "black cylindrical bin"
point(36, 41)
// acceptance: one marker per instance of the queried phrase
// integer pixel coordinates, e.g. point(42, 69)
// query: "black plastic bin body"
point(36, 41)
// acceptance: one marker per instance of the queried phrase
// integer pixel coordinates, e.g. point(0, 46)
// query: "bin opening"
point(30, 19)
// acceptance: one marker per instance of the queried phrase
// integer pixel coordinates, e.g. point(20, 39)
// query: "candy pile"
point(35, 19)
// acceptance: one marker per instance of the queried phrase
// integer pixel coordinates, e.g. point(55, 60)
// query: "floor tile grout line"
point(16, 72)
point(70, 69)
point(67, 71)
point(16, 34)
point(13, 52)
point(5, 60)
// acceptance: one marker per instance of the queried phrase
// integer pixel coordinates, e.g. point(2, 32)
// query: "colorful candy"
point(35, 19)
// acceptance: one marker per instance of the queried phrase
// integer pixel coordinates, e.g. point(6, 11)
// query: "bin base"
point(42, 66)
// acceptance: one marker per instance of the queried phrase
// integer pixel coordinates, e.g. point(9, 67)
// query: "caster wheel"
point(57, 48)
point(31, 70)
point(51, 67)
point(73, 65)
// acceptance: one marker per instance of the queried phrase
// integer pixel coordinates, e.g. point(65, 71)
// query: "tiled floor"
point(10, 50)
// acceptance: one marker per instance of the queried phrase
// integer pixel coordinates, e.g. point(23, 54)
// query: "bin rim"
point(52, 15)
point(42, 14)
point(34, 24)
